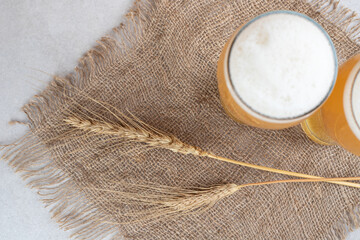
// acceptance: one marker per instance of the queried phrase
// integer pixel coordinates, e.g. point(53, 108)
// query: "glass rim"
point(351, 105)
point(297, 117)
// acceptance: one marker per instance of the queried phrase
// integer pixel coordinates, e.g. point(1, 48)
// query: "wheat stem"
point(131, 128)
point(330, 180)
point(161, 202)
point(274, 170)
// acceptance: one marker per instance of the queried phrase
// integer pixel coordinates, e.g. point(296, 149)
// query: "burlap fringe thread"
point(67, 202)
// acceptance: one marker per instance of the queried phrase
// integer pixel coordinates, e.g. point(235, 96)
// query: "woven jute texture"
point(161, 66)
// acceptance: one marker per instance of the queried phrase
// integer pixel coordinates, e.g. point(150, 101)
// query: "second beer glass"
point(338, 120)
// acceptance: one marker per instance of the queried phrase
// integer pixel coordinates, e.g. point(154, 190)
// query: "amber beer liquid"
point(276, 70)
point(338, 120)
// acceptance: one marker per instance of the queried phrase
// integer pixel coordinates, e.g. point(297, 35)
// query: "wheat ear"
point(131, 128)
point(159, 202)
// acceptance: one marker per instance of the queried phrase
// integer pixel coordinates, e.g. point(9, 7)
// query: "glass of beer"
point(276, 70)
point(338, 120)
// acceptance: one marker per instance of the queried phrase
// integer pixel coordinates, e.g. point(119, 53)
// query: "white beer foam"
point(355, 125)
point(282, 65)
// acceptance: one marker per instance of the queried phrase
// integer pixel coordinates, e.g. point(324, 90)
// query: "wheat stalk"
point(159, 202)
point(133, 129)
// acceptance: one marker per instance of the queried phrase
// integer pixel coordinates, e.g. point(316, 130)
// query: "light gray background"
point(49, 36)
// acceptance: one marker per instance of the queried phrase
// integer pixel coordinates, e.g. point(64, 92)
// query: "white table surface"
point(49, 36)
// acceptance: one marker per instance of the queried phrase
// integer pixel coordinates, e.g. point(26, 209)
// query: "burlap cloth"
point(161, 66)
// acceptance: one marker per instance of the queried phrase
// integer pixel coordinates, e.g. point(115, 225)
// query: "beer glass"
point(338, 120)
point(276, 70)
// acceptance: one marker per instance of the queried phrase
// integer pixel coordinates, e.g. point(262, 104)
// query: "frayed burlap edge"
point(68, 204)
point(30, 157)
